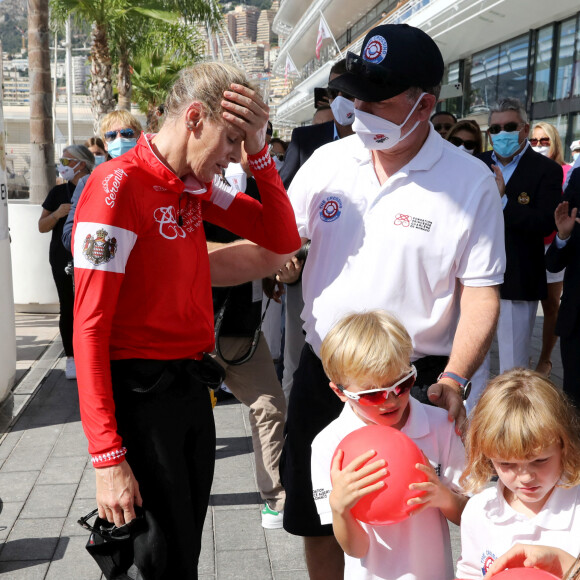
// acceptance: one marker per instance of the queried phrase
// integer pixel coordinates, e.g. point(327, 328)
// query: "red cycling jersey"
point(142, 273)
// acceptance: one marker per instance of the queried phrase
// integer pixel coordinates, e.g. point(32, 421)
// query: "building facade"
point(527, 49)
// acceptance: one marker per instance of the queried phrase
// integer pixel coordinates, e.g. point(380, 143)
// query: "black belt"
point(148, 376)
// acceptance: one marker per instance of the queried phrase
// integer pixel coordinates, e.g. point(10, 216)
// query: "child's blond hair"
point(366, 345)
point(519, 414)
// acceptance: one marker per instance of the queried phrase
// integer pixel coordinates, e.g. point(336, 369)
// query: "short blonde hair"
point(120, 118)
point(205, 82)
point(556, 151)
point(366, 345)
point(519, 414)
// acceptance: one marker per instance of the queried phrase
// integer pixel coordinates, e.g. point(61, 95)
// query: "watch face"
point(466, 390)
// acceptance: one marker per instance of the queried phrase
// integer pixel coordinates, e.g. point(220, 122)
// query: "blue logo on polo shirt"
point(330, 208)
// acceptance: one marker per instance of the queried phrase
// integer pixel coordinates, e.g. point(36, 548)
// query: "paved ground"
point(47, 482)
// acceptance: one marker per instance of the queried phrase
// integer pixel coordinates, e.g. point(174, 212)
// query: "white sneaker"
point(70, 370)
point(272, 520)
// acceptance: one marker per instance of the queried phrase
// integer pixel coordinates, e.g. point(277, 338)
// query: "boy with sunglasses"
point(367, 358)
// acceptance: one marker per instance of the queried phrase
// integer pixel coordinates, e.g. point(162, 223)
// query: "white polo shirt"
point(400, 246)
point(490, 527)
point(419, 547)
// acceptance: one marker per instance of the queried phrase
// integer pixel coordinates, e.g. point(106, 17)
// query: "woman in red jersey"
point(143, 308)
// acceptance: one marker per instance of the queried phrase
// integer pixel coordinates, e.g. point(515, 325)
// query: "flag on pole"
point(290, 68)
point(323, 32)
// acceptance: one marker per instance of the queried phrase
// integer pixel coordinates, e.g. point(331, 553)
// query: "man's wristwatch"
point(465, 384)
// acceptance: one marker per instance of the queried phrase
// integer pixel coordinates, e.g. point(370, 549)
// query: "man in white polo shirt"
point(398, 219)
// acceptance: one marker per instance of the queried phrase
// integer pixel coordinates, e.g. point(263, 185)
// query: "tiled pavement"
point(47, 482)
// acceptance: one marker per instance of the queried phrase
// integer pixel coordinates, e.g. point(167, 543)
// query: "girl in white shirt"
point(525, 431)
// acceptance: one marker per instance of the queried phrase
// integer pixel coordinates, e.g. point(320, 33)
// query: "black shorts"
point(312, 406)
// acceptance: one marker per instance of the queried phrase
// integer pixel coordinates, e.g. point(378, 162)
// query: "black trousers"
point(170, 438)
point(312, 406)
point(66, 298)
point(570, 351)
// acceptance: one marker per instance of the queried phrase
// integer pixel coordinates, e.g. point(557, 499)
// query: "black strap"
point(255, 339)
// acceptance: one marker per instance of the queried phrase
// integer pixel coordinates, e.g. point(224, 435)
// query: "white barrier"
point(34, 288)
point(7, 328)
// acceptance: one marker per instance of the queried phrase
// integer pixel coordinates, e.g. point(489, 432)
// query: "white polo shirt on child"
point(400, 246)
point(490, 527)
point(419, 547)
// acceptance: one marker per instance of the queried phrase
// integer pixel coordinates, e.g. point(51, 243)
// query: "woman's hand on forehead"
point(245, 109)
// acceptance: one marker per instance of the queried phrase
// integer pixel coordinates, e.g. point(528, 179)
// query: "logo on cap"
point(375, 50)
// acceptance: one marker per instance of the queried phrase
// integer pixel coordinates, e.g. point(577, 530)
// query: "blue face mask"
point(99, 159)
point(121, 145)
point(506, 144)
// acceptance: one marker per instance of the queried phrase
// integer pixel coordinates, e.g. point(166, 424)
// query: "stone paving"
point(47, 481)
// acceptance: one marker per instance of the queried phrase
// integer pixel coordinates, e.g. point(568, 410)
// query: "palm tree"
point(153, 75)
point(42, 174)
point(107, 16)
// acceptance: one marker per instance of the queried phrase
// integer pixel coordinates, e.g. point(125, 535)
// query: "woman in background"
point(76, 162)
point(96, 146)
point(466, 135)
point(546, 140)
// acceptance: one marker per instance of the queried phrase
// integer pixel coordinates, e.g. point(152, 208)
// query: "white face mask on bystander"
point(343, 111)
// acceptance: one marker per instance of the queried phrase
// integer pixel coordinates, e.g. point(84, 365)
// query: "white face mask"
point(542, 150)
point(279, 164)
point(463, 148)
point(67, 172)
point(343, 110)
point(377, 133)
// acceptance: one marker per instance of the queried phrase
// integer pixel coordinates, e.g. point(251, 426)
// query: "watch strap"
point(464, 383)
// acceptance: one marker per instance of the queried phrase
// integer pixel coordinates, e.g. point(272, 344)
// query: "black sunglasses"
point(333, 93)
point(125, 133)
point(544, 142)
point(468, 144)
point(109, 531)
point(509, 127)
point(444, 126)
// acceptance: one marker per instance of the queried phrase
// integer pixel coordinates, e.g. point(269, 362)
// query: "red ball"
point(387, 505)
point(525, 574)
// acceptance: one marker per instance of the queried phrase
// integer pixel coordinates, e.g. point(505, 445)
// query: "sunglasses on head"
point(544, 142)
point(125, 133)
point(66, 162)
point(372, 72)
point(442, 126)
point(377, 396)
point(508, 127)
point(468, 144)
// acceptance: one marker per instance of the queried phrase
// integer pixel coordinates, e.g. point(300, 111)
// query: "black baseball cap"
point(393, 58)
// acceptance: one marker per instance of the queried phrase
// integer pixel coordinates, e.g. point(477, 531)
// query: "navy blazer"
point(568, 257)
point(533, 191)
point(305, 141)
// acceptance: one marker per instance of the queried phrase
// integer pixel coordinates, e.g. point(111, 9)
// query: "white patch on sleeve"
point(222, 194)
point(102, 247)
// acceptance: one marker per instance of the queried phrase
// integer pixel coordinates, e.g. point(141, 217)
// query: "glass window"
point(576, 88)
point(565, 59)
point(453, 75)
point(499, 72)
point(513, 68)
point(484, 70)
point(544, 44)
